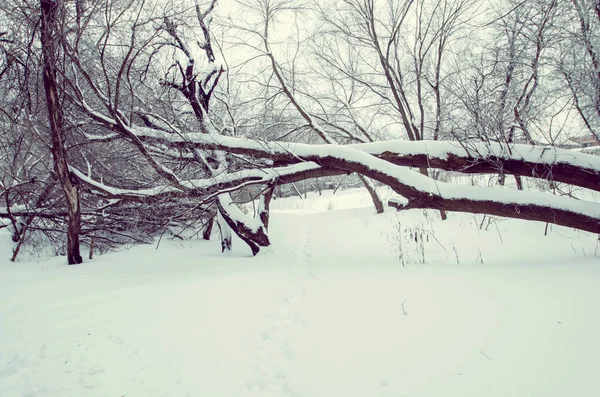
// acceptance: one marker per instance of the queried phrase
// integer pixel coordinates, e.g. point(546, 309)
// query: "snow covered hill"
point(345, 303)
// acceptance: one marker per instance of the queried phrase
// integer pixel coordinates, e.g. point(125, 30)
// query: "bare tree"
point(50, 39)
point(580, 60)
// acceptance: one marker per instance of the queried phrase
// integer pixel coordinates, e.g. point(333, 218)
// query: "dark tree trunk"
point(49, 12)
point(224, 230)
point(92, 246)
point(373, 193)
point(208, 229)
point(519, 182)
point(264, 204)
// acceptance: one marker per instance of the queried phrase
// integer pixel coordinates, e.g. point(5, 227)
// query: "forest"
point(124, 120)
point(299, 198)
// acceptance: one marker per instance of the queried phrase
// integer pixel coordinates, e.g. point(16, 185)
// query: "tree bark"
point(207, 231)
point(49, 38)
point(225, 232)
point(530, 212)
point(373, 193)
point(264, 204)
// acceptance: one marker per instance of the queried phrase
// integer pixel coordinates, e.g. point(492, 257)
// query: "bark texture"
point(49, 38)
point(531, 212)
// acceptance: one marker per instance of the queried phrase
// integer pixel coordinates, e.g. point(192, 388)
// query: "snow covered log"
point(386, 162)
point(531, 206)
point(551, 163)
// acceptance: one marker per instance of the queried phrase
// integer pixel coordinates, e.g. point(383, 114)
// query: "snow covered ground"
point(345, 303)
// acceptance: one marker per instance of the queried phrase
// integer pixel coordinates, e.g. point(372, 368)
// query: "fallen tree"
point(387, 162)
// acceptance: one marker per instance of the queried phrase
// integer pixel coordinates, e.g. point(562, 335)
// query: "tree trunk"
point(225, 231)
point(318, 185)
point(297, 191)
point(49, 12)
point(373, 193)
point(519, 182)
point(92, 246)
point(263, 206)
point(208, 229)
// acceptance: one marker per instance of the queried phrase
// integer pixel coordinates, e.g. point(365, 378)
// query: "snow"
point(125, 192)
point(209, 69)
point(253, 176)
point(257, 175)
point(438, 149)
point(329, 310)
point(442, 149)
point(236, 215)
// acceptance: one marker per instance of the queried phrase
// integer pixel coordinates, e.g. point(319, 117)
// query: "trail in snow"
point(276, 353)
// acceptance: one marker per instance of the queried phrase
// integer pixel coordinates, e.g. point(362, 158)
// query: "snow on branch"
point(545, 162)
point(208, 188)
point(386, 162)
point(250, 229)
point(560, 165)
point(528, 205)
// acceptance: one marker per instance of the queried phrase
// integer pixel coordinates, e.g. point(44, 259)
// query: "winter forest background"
point(123, 119)
point(299, 198)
